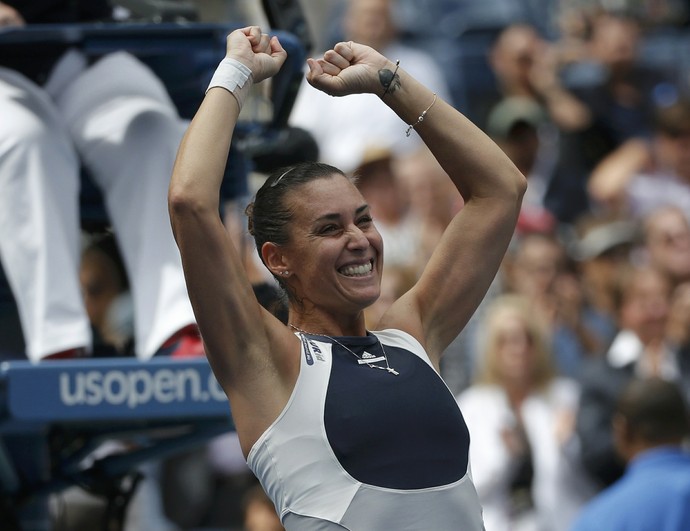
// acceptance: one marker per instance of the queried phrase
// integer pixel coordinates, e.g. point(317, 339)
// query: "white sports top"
point(364, 450)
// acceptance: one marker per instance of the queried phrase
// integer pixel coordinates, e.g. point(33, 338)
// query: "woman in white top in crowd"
point(521, 418)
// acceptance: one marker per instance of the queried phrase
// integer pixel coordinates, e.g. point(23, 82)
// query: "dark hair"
point(268, 215)
point(655, 410)
point(106, 245)
point(272, 298)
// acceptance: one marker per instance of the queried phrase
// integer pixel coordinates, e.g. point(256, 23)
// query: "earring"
point(285, 273)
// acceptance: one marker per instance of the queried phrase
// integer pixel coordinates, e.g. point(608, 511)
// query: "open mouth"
point(359, 270)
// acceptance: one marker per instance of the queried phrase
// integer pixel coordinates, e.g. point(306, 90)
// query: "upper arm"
point(237, 332)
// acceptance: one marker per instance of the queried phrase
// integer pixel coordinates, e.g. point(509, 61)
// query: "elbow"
point(183, 202)
point(186, 210)
point(518, 186)
point(178, 201)
point(180, 206)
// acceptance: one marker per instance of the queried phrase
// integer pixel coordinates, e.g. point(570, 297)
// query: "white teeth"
point(357, 271)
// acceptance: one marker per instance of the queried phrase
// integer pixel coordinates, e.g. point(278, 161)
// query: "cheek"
point(375, 240)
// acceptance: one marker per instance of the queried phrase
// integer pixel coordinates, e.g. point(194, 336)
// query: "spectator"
point(115, 118)
point(679, 318)
point(620, 91)
point(107, 298)
point(641, 175)
point(521, 418)
point(516, 125)
point(539, 269)
point(526, 65)
point(389, 200)
point(601, 247)
point(620, 94)
point(666, 242)
point(640, 349)
point(650, 424)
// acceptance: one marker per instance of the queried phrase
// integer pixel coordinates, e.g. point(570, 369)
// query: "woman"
point(521, 419)
point(346, 428)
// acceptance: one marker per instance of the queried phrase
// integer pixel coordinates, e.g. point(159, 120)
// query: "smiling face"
point(335, 253)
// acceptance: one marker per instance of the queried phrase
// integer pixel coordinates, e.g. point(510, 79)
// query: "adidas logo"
point(367, 356)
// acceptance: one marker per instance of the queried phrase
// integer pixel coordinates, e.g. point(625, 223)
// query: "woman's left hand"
point(349, 68)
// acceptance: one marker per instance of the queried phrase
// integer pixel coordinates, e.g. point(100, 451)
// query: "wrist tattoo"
point(389, 80)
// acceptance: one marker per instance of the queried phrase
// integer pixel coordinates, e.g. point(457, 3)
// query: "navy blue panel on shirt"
point(398, 432)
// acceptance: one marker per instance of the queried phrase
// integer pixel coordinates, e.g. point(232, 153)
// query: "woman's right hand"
point(261, 53)
point(348, 68)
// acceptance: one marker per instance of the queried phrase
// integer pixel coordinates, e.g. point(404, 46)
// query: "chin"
point(365, 300)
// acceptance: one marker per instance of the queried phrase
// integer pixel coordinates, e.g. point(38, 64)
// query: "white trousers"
point(116, 119)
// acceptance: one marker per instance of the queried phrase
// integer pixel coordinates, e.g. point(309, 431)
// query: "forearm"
point(609, 180)
point(567, 112)
point(203, 152)
point(476, 165)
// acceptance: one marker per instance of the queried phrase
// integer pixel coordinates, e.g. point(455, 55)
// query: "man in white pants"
point(116, 119)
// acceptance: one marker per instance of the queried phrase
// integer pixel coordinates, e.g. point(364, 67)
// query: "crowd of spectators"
point(593, 106)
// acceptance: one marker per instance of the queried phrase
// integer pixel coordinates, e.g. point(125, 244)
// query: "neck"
point(325, 326)
point(517, 393)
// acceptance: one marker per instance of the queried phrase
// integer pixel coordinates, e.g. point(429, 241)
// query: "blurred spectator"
point(641, 175)
point(620, 93)
point(389, 200)
point(344, 129)
point(650, 424)
point(640, 349)
point(666, 239)
point(538, 268)
point(433, 201)
point(516, 125)
point(679, 318)
point(115, 118)
point(601, 248)
point(107, 299)
point(527, 65)
point(521, 417)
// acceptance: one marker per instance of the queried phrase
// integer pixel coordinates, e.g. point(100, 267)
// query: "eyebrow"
point(334, 215)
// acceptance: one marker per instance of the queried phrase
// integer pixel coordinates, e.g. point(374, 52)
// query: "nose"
point(357, 240)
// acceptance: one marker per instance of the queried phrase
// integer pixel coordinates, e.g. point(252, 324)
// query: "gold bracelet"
point(421, 117)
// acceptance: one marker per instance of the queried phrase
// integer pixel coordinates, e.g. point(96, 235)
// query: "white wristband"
point(234, 77)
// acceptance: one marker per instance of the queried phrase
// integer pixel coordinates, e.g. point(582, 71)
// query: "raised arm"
point(470, 252)
point(238, 334)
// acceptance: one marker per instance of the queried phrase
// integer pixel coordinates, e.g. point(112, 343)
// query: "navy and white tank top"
point(361, 449)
